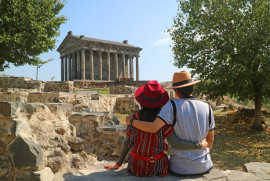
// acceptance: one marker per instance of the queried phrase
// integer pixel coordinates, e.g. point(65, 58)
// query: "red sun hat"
point(151, 95)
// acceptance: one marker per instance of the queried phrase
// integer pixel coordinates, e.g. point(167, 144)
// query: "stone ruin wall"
point(58, 129)
point(26, 83)
point(37, 141)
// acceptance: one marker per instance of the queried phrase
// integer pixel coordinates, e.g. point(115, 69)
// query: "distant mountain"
point(5, 75)
point(166, 84)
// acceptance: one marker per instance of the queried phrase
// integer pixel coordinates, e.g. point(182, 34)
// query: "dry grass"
point(236, 143)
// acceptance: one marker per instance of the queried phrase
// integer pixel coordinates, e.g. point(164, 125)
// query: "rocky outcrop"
point(34, 137)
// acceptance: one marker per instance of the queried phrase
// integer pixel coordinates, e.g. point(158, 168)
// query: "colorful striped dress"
point(148, 145)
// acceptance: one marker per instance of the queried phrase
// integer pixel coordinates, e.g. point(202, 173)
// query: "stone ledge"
point(98, 173)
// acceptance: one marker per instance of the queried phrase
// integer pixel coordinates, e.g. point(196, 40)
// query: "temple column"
point(78, 76)
point(62, 69)
point(123, 67)
point(131, 72)
point(69, 67)
point(116, 65)
point(66, 68)
point(73, 65)
point(109, 65)
point(83, 64)
point(137, 68)
point(100, 65)
point(126, 67)
point(92, 65)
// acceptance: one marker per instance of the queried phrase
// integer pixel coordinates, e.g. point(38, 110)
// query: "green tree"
point(227, 44)
point(27, 29)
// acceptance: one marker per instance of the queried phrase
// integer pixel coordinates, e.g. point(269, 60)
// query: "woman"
point(148, 157)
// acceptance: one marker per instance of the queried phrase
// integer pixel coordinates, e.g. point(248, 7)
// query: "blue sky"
point(142, 22)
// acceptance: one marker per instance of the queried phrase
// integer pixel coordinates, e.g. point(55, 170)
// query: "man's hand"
point(128, 118)
point(204, 144)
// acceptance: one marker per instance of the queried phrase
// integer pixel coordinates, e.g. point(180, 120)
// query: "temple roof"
point(77, 39)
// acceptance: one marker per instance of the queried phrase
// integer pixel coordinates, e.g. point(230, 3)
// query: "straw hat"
point(182, 79)
point(151, 95)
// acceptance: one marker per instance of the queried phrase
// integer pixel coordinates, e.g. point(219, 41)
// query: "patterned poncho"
point(148, 145)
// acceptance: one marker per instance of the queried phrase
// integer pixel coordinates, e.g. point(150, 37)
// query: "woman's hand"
point(110, 167)
point(128, 118)
point(204, 144)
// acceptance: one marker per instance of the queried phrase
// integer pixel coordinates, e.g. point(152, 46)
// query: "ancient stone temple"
point(84, 58)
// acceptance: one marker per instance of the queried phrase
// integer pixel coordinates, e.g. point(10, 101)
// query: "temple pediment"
point(68, 42)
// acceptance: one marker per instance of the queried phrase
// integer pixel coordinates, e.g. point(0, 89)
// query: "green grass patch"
point(100, 91)
point(103, 91)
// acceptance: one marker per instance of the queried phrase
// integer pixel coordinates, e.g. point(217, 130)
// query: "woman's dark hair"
point(149, 114)
point(185, 91)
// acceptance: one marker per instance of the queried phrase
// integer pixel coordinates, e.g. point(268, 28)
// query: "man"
point(194, 122)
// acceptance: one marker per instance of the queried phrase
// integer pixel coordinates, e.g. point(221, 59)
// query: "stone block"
point(237, 175)
point(54, 107)
point(5, 167)
point(58, 86)
point(43, 97)
point(8, 109)
point(22, 175)
point(12, 127)
point(25, 154)
point(29, 108)
point(8, 126)
point(261, 170)
point(45, 175)
point(215, 174)
point(20, 83)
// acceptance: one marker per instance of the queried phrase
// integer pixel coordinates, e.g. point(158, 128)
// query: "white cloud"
point(164, 41)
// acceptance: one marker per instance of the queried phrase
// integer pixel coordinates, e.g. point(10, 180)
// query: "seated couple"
point(185, 122)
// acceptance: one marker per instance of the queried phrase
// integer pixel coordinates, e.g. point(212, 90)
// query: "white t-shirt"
point(192, 124)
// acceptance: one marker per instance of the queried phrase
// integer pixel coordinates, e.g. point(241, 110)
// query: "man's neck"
point(181, 96)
